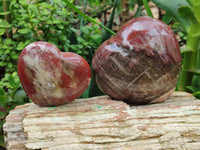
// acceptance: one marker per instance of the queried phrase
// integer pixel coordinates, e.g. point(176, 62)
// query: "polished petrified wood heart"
point(50, 77)
point(141, 64)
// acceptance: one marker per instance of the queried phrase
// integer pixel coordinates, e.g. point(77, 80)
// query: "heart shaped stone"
point(51, 77)
point(141, 64)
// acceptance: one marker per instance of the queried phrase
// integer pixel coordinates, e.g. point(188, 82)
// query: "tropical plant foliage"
point(186, 12)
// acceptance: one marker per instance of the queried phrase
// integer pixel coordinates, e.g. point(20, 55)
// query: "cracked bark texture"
point(102, 123)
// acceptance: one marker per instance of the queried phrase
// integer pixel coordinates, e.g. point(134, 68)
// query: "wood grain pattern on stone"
point(102, 123)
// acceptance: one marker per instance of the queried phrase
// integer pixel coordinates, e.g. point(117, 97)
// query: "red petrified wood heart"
point(50, 77)
point(141, 64)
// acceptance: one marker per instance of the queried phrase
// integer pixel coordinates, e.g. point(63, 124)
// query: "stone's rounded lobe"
point(150, 35)
point(141, 64)
point(50, 77)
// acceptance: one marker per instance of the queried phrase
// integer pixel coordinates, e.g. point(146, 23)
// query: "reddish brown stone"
point(51, 77)
point(141, 64)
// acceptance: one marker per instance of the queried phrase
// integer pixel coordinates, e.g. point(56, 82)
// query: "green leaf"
point(195, 71)
point(138, 11)
point(192, 88)
point(77, 48)
point(11, 65)
point(84, 30)
point(19, 95)
point(146, 5)
point(190, 2)
point(196, 81)
point(197, 14)
point(81, 40)
point(5, 13)
point(96, 27)
point(3, 63)
point(74, 30)
point(105, 33)
point(9, 99)
point(20, 46)
point(2, 114)
point(34, 20)
point(21, 23)
point(2, 31)
point(96, 37)
point(171, 7)
point(61, 27)
point(11, 81)
point(195, 4)
point(56, 21)
point(2, 143)
point(196, 93)
point(185, 50)
point(86, 93)
point(3, 100)
point(63, 37)
point(1, 125)
point(195, 30)
point(24, 31)
point(4, 24)
point(186, 12)
point(24, 3)
point(2, 92)
point(2, 97)
point(51, 1)
point(167, 18)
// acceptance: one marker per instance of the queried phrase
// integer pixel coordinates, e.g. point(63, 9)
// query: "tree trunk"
point(102, 123)
point(6, 4)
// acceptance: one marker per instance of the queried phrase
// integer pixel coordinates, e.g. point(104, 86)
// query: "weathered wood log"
point(102, 123)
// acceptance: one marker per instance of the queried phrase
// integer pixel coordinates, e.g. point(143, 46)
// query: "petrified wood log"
point(102, 123)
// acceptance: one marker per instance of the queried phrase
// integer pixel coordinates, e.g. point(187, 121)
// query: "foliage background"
point(81, 28)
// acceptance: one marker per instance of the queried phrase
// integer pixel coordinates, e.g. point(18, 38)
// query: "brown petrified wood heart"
point(51, 77)
point(141, 64)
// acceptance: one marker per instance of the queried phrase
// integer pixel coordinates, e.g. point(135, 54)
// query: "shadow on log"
point(102, 123)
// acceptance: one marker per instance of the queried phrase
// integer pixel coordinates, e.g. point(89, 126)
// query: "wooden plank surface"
point(102, 123)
